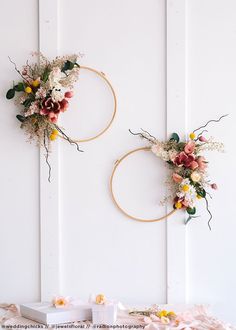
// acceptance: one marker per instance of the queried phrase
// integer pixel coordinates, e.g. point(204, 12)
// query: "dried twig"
point(205, 130)
point(148, 137)
point(18, 71)
point(47, 156)
point(68, 138)
point(210, 121)
point(207, 206)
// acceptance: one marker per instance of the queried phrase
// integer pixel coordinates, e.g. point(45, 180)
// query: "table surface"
point(195, 318)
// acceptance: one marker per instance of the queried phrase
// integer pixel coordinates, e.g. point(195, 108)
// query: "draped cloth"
point(195, 318)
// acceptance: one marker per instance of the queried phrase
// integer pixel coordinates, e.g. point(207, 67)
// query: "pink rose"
point(69, 94)
point(202, 139)
point(50, 109)
point(202, 163)
point(53, 117)
point(185, 203)
point(194, 165)
point(177, 178)
point(189, 147)
point(182, 159)
point(214, 186)
point(48, 105)
point(64, 104)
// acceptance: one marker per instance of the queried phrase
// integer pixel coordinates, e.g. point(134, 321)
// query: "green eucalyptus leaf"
point(202, 193)
point(68, 65)
point(45, 75)
point(20, 118)
point(27, 102)
point(191, 210)
point(10, 94)
point(71, 65)
point(175, 137)
point(19, 87)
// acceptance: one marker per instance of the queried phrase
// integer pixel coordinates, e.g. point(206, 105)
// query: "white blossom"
point(190, 195)
point(57, 95)
point(54, 78)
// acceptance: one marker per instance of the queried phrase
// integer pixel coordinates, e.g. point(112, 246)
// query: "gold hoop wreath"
point(44, 91)
point(101, 75)
point(118, 162)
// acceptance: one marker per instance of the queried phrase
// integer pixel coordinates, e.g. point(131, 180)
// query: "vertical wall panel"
point(211, 81)
point(102, 250)
point(49, 191)
point(176, 92)
point(19, 170)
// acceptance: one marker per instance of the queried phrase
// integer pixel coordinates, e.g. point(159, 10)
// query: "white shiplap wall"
point(68, 237)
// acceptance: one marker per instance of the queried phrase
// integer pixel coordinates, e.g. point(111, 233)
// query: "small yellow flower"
point(53, 137)
point(185, 188)
point(199, 197)
point(171, 314)
point(54, 134)
point(28, 90)
point(178, 205)
point(100, 299)
point(35, 83)
point(162, 313)
point(192, 136)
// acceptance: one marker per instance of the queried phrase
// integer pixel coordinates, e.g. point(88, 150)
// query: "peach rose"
point(60, 302)
point(185, 203)
point(194, 165)
point(189, 147)
point(100, 299)
point(202, 163)
point(177, 178)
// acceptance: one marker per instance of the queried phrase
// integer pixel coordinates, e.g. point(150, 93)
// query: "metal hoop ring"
point(113, 195)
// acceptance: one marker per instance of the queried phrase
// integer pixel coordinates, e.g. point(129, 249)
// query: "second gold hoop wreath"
point(113, 194)
point(105, 79)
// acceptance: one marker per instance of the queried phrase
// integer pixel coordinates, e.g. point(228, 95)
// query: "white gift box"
point(105, 313)
point(47, 314)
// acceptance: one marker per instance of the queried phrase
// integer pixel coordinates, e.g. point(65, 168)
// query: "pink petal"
point(177, 178)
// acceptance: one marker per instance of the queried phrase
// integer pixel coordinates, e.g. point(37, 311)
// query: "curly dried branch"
point(207, 206)
point(68, 138)
point(47, 156)
point(17, 70)
point(210, 121)
point(148, 137)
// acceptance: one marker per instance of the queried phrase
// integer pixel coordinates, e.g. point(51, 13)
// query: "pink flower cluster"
point(187, 158)
point(52, 109)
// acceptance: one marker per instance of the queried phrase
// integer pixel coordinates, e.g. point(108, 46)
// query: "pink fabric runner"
point(196, 318)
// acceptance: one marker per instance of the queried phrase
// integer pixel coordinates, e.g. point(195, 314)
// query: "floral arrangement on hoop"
point(189, 180)
point(42, 94)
